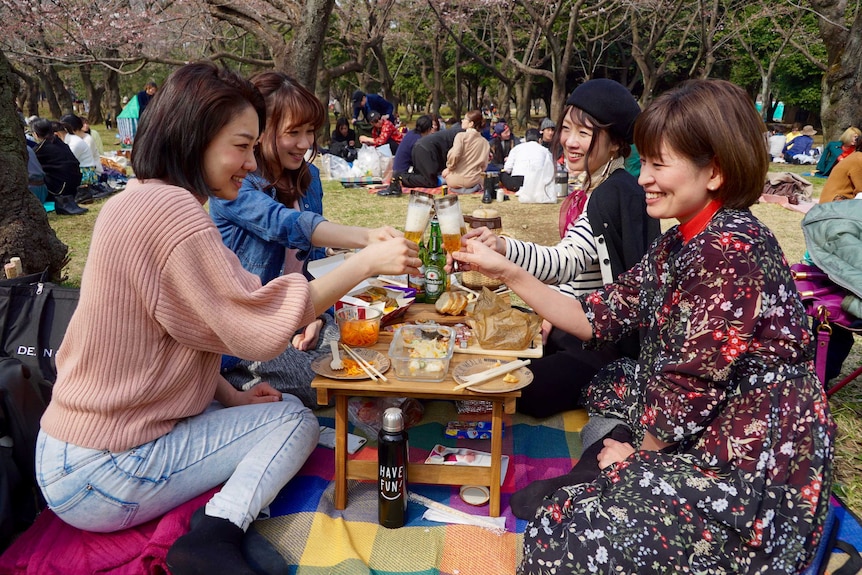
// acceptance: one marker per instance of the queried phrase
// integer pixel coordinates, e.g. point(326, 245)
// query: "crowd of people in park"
point(710, 442)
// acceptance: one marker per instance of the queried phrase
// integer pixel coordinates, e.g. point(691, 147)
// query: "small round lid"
point(393, 420)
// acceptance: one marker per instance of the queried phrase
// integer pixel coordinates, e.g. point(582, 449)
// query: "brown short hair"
point(183, 118)
point(706, 120)
point(287, 101)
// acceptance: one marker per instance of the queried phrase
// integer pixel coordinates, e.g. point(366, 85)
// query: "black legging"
point(425, 172)
point(562, 374)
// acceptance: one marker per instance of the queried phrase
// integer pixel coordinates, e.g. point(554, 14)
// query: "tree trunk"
point(50, 97)
point(842, 83)
point(24, 229)
point(94, 95)
point(308, 42)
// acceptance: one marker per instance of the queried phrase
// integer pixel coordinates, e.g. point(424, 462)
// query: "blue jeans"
point(254, 449)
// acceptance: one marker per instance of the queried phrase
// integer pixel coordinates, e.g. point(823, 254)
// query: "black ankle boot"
point(84, 195)
point(66, 206)
point(488, 196)
point(212, 547)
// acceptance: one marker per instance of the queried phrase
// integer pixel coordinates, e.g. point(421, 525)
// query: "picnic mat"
point(315, 538)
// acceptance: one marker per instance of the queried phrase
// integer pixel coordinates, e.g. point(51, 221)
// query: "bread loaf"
point(451, 303)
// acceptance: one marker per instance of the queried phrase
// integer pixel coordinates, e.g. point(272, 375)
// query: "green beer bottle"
point(418, 282)
point(435, 272)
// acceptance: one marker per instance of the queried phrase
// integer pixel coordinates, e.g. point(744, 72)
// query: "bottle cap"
point(393, 420)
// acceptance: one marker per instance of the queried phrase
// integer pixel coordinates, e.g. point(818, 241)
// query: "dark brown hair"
point(195, 104)
point(706, 120)
point(475, 116)
point(288, 105)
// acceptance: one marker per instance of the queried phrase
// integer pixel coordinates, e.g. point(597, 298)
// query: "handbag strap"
point(824, 333)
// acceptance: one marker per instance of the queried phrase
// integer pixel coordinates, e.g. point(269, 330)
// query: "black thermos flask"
point(392, 470)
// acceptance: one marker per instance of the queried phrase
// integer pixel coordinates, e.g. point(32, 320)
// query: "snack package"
point(469, 429)
point(497, 325)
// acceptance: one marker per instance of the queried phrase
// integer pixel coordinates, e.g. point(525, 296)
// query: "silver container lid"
point(393, 420)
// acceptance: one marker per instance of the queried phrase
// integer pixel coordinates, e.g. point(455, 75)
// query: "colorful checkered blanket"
point(315, 538)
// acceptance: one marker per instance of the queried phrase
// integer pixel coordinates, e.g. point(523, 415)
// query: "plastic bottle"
point(435, 272)
point(392, 470)
point(418, 282)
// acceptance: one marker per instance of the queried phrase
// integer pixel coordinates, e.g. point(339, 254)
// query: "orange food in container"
point(359, 326)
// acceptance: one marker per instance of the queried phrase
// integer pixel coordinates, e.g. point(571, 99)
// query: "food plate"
point(496, 385)
point(320, 365)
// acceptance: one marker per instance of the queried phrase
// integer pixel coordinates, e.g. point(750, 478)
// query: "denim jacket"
point(258, 229)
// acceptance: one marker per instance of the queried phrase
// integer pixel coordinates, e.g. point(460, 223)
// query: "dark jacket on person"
point(62, 172)
point(429, 157)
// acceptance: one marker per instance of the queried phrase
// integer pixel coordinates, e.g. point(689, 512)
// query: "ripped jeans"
point(256, 449)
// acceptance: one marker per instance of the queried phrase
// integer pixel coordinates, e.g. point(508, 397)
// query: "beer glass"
point(418, 214)
point(451, 223)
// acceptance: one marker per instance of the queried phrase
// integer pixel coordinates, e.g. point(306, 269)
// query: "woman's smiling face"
point(293, 143)
point(575, 138)
point(230, 155)
point(675, 186)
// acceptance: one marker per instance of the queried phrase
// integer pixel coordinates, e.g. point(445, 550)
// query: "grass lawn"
point(538, 223)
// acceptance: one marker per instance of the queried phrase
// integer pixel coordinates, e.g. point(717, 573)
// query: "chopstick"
point(367, 367)
point(484, 376)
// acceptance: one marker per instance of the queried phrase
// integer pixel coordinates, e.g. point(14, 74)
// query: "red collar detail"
point(697, 224)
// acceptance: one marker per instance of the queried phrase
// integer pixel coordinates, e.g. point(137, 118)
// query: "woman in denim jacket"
point(276, 226)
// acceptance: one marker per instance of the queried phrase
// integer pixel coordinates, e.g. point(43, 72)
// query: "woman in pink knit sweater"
point(140, 420)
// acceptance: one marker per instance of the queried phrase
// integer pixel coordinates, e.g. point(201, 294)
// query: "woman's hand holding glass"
point(395, 256)
point(477, 256)
point(487, 237)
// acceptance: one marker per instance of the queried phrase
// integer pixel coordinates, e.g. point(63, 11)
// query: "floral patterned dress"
point(726, 375)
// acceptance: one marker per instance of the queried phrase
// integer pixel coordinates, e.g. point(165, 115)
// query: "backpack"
point(21, 408)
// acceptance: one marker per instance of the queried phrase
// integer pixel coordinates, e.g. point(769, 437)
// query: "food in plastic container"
point(422, 352)
point(359, 326)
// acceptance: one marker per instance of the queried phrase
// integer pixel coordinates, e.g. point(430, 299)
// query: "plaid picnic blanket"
point(315, 538)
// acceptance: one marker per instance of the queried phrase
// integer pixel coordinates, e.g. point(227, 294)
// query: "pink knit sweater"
point(161, 300)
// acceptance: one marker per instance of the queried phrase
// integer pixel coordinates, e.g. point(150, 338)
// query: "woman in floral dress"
point(734, 465)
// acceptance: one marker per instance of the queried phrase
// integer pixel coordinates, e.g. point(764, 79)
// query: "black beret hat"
point(610, 103)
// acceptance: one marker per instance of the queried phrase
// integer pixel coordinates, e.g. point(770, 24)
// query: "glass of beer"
point(451, 223)
point(418, 214)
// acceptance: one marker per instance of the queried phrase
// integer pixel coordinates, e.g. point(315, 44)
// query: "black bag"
point(34, 316)
point(21, 408)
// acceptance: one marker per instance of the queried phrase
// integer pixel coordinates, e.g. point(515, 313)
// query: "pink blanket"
point(52, 547)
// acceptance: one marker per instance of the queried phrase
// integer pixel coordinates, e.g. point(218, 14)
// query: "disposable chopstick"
point(369, 369)
point(483, 376)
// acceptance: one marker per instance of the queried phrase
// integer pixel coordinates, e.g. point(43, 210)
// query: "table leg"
point(496, 456)
point(340, 451)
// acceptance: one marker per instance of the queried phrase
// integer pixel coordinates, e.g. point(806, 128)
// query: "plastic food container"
point(422, 352)
point(359, 326)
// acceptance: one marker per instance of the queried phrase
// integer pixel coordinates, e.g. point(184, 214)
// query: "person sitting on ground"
point(798, 150)
point(836, 151)
point(468, 158)
point(845, 179)
point(534, 162)
point(502, 142)
point(795, 130)
point(604, 230)
point(343, 142)
point(403, 162)
point(547, 128)
point(383, 132)
point(123, 442)
point(777, 141)
point(71, 129)
point(366, 103)
point(275, 225)
point(719, 454)
point(429, 158)
point(60, 166)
